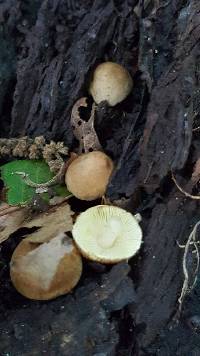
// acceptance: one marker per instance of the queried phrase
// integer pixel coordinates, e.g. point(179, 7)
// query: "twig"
point(148, 172)
point(195, 197)
point(61, 201)
point(196, 129)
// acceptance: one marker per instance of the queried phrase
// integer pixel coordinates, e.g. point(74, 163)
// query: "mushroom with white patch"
point(47, 270)
point(111, 82)
point(107, 234)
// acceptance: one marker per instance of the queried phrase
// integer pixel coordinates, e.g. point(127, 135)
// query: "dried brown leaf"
point(84, 131)
point(11, 219)
point(56, 220)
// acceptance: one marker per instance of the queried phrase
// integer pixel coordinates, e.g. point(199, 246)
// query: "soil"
point(48, 50)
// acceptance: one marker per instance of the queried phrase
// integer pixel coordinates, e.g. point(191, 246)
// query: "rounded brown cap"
point(46, 271)
point(88, 175)
point(110, 82)
point(107, 234)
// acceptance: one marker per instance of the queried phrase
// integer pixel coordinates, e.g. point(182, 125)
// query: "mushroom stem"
point(138, 217)
point(110, 233)
point(107, 240)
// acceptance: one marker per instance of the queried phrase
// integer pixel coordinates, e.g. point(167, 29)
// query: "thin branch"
point(195, 197)
point(196, 129)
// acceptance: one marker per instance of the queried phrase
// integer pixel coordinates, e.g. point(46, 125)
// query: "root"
point(185, 288)
point(195, 197)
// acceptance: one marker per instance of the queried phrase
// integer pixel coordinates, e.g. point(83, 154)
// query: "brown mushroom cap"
point(107, 234)
point(110, 82)
point(88, 175)
point(45, 271)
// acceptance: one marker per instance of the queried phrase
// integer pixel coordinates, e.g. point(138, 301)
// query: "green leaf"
point(17, 191)
point(61, 190)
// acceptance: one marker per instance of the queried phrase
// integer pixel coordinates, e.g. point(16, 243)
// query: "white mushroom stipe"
point(138, 217)
point(110, 232)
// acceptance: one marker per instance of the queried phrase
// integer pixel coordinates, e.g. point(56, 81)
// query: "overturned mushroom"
point(110, 82)
point(88, 175)
point(46, 271)
point(107, 234)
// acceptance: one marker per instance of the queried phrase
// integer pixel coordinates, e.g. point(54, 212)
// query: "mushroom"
point(88, 175)
point(110, 82)
point(107, 234)
point(48, 270)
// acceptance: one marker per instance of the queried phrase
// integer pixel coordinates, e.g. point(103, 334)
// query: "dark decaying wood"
point(76, 325)
point(51, 48)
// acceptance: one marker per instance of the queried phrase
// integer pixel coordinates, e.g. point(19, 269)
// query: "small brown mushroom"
point(110, 82)
point(107, 234)
point(88, 175)
point(45, 271)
